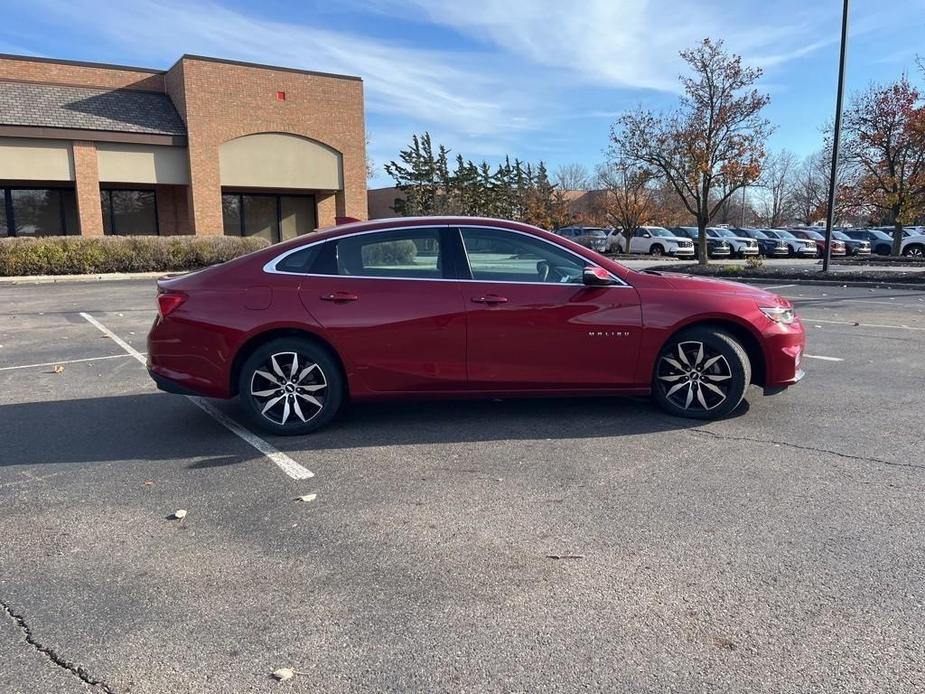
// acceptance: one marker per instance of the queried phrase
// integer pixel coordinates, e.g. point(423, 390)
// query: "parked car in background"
point(594, 238)
point(838, 247)
point(796, 247)
point(913, 247)
point(741, 246)
point(716, 247)
point(767, 245)
point(852, 246)
point(614, 240)
point(880, 242)
point(659, 241)
point(460, 307)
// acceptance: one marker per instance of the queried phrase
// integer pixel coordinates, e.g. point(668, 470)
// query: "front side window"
point(400, 253)
point(503, 256)
point(129, 212)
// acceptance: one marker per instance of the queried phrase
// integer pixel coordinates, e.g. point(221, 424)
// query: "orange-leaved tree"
point(885, 140)
point(712, 144)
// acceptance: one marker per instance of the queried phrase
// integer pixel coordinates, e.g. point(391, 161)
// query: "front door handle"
point(339, 296)
point(489, 299)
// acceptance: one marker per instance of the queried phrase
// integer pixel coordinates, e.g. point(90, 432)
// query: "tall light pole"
point(836, 139)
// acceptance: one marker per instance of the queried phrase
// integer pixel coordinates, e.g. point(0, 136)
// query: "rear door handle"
point(339, 296)
point(489, 299)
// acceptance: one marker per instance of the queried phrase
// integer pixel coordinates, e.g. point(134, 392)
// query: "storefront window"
point(37, 212)
point(269, 216)
point(129, 212)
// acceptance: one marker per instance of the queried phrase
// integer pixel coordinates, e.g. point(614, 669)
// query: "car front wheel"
point(290, 386)
point(701, 373)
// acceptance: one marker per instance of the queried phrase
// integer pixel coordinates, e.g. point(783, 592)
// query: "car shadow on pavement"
point(466, 421)
point(138, 427)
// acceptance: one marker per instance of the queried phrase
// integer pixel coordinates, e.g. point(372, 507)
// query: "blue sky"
point(536, 79)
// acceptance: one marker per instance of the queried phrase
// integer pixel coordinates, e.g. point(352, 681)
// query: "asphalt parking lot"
point(464, 546)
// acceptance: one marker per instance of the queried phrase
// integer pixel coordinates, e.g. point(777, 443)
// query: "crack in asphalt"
point(54, 657)
point(849, 456)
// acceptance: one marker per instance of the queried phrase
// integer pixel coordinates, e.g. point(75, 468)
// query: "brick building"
point(207, 147)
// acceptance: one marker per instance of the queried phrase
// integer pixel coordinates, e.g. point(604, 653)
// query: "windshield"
point(594, 232)
point(882, 235)
point(781, 234)
point(659, 231)
point(841, 236)
point(755, 234)
point(813, 234)
point(724, 232)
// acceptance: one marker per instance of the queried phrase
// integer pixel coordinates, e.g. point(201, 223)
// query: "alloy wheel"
point(915, 252)
point(693, 376)
point(289, 387)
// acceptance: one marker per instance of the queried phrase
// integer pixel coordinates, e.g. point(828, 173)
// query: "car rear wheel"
point(701, 373)
point(290, 386)
point(914, 250)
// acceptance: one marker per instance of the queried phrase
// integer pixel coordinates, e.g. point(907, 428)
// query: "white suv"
point(913, 246)
point(658, 241)
point(741, 246)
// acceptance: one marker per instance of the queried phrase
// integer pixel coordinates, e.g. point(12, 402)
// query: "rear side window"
point(299, 261)
point(399, 253)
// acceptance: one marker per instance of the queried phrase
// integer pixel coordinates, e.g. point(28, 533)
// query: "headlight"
point(779, 314)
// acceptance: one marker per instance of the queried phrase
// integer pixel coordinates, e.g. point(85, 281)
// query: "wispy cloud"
point(620, 43)
point(426, 86)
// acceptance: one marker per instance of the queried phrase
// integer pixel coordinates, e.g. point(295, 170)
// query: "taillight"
point(168, 302)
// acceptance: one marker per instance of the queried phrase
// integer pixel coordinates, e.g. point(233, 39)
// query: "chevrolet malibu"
point(460, 307)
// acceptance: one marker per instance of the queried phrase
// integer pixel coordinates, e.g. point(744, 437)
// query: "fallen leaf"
point(307, 497)
point(284, 673)
point(180, 514)
point(58, 368)
point(148, 483)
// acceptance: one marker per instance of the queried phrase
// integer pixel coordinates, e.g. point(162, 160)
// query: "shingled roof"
point(85, 108)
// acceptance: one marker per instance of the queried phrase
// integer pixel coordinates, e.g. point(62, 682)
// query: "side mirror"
point(646, 235)
point(596, 277)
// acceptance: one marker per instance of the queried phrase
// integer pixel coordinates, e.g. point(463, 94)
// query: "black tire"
point(316, 379)
point(682, 386)
point(914, 250)
point(656, 249)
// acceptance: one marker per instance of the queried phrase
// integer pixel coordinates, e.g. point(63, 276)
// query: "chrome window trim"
point(270, 267)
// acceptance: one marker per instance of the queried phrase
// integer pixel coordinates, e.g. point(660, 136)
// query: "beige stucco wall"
point(126, 163)
point(36, 160)
point(279, 160)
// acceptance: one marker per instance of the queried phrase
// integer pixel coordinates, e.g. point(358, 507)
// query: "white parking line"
point(816, 356)
point(778, 286)
point(62, 363)
point(859, 325)
point(283, 461)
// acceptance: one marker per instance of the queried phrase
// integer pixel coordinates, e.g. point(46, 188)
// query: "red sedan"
point(460, 307)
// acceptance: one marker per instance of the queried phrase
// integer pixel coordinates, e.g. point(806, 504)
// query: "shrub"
point(74, 255)
point(753, 262)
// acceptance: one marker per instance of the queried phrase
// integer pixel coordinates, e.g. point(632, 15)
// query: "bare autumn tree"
point(572, 177)
point(629, 199)
point(713, 141)
point(885, 139)
point(776, 184)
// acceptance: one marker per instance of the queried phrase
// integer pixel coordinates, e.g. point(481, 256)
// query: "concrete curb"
point(920, 286)
point(105, 277)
